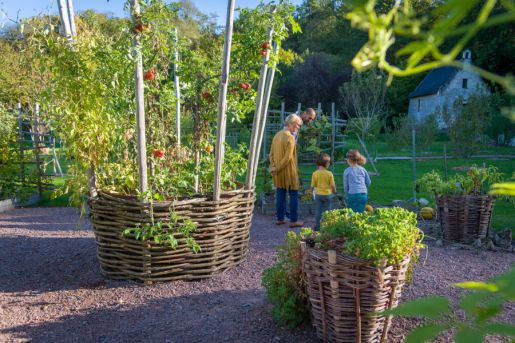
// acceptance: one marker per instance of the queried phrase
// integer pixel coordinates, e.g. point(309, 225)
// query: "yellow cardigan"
point(283, 156)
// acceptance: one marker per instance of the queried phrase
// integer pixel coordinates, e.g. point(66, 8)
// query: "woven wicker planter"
point(343, 291)
point(465, 218)
point(222, 233)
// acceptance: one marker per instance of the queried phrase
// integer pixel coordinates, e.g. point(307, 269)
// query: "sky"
point(13, 9)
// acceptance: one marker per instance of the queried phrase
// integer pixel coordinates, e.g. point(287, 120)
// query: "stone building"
point(441, 87)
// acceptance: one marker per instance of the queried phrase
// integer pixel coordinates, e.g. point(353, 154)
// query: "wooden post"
point(413, 135)
point(222, 101)
point(333, 129)
point(22, 143)
point(37, 146)
point(445, 161)
point(71, 18)
point(257, 116)
point(140, 103)
point(264, 113)
point(65, 21)
point(177, 91)
point(282, 112)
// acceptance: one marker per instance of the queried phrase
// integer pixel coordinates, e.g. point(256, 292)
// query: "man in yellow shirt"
point(322, 183)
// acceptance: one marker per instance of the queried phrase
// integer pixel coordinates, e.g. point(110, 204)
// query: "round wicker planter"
point(344, 291)
point(222, 233)
point(465, 218)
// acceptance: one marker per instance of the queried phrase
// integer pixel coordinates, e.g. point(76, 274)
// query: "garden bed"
point(222, 233)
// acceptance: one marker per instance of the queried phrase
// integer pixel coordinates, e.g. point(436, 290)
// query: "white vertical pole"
point(71, 18)
point(65, 21)
point(282, 112)
point(257, 114)
point(140, 105)
point(414, 162)
point(222, 101)
point(177, 91)
point(264, 114)
point(319, 109)
point(299, 107)
point(333, 129)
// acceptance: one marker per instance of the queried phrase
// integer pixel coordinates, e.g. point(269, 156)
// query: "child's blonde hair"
point(355, 157)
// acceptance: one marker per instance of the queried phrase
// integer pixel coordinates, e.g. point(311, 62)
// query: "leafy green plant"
point(284, 282)
point(481, 305)
point(170, 233)
point(384, 235)
point(474, 182)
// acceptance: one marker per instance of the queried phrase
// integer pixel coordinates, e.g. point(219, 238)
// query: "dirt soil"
point(51, 289)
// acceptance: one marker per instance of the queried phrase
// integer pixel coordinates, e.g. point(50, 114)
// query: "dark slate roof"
point(433, 81)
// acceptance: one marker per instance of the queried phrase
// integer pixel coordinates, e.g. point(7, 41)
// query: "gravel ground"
point(51, 289)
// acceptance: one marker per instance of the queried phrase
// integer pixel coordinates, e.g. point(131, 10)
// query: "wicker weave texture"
point(343, 291)
point(222, 233)
point(465, 218)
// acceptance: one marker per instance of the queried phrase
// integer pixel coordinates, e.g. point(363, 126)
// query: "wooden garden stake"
point(264, 112)
point(71, 18)
point(65, 21)
point(140, 105)
point(177, 91)
point(222, 101)
point(20, 138)
point(253, 149)
point(445, 162)
point(333, 128)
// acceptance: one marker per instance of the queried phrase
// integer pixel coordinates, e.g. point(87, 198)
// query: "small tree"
point(466, 123)
point(363, 98)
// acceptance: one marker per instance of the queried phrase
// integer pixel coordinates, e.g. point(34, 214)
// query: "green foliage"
point(400, 136)
point(284, 282)
point(384, 235)
point(483, 302)
point(11, 184)
point(467, 123)
point(363, 98)
point(89, 94)
point(175, 231)
point(311, 136)
point(474, 182)
point(426, 34)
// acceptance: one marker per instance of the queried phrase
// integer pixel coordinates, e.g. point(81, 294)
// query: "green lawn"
point(395, 182)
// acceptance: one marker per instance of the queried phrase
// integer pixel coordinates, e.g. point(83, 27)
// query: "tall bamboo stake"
point(257, 116)
point(71, 18)
point(140, 103)
point(177, 91)
point(222, 100)
point(65, 21)
point(264, 113)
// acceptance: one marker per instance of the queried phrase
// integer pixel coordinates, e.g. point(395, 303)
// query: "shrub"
point(284, 283)
point(474, 182)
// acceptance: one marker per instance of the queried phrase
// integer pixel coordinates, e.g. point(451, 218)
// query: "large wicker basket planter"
point(345, 291)
point(222, 233)
point(465, 218)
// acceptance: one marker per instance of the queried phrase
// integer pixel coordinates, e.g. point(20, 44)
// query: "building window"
point(464, 83)
point(418, 110)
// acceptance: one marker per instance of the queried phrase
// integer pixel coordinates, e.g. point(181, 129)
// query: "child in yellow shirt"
point(322, 182)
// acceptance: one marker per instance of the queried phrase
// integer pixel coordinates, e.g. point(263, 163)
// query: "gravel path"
point(51, 289)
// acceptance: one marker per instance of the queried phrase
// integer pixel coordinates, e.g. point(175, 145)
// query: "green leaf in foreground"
point(432, 307)
point(425, 333)
point(500, 329)
point(469, 335)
